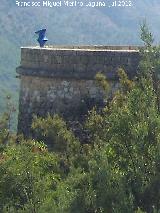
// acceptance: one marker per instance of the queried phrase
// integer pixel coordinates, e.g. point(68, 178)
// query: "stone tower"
point(60, 79)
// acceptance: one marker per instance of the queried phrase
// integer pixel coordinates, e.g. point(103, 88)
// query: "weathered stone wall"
point(61, 79)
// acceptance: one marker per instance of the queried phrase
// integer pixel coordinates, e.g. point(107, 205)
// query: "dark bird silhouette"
point(42, 37)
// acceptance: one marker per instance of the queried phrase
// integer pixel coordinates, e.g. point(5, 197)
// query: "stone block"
point(55, 79)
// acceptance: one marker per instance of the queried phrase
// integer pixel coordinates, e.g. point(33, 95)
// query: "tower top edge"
point(86, 48)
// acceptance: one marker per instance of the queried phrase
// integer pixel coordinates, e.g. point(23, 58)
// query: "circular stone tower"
point(61, 79)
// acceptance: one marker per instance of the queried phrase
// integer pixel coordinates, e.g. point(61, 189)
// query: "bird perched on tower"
point(42, 37)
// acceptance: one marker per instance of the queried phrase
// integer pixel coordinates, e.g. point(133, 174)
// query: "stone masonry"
point(61, 79)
